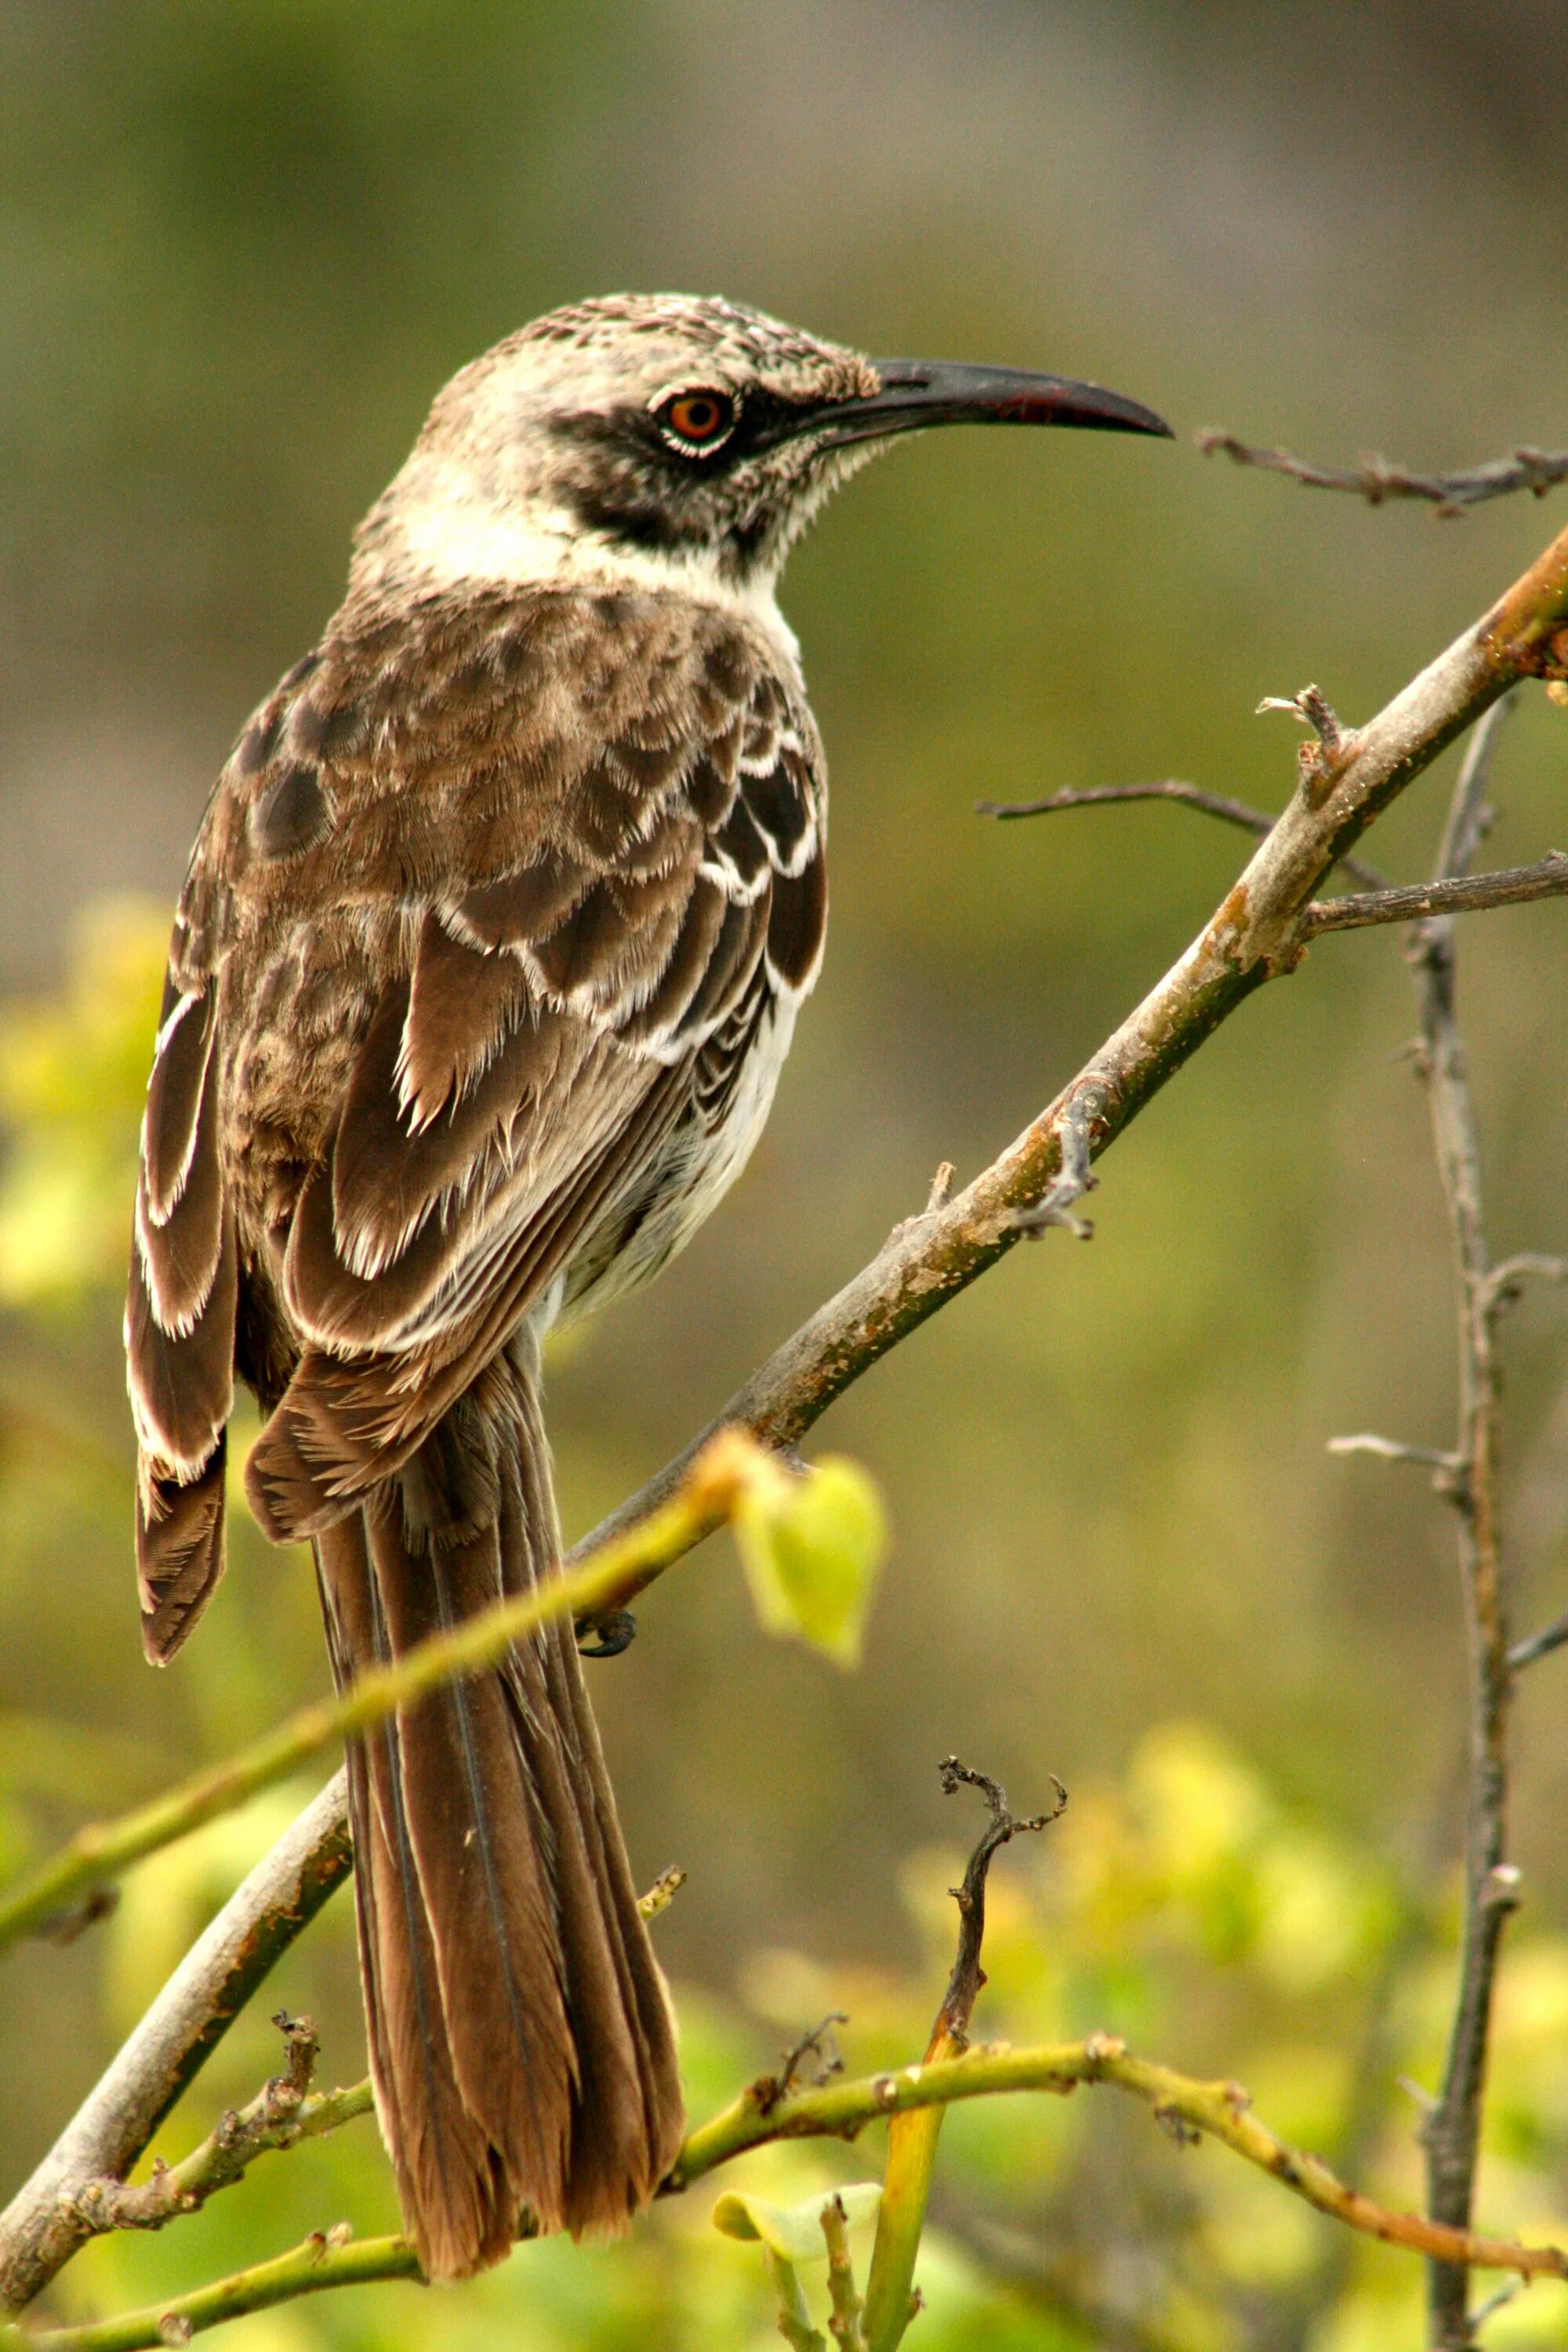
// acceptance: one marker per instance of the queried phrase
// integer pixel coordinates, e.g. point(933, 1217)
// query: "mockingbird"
point(486, 962)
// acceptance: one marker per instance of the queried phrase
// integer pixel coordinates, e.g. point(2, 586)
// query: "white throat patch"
point(464, 539)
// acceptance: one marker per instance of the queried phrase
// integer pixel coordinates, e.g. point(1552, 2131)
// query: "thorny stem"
point(1451, 2133)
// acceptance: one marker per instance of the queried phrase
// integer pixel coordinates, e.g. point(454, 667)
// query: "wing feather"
point(488, 902)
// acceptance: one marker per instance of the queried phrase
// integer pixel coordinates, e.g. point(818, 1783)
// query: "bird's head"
point(663, 440)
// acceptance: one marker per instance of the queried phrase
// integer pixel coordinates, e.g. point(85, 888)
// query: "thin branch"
point(1505, 1284)
point(172, 2190)
point(1377, 479)
point(1451, 2133)
point(324, 2260)
point(1512, 885)
point(1539, 1645)
point(1169, 788)
point(1391, 1449)
point(912, 2138)
point(711, 1490)
point(964, 1985)
point(844, 2326)
point(841, 2110)
point(1246, 942)
point(1220, 2111)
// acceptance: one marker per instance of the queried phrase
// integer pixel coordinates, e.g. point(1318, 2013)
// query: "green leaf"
point(794, 2232)
point(812, 1548)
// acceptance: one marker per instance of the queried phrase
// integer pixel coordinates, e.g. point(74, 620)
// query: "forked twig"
point(1255, 820)
point(1378, 479)
point(967, 1977)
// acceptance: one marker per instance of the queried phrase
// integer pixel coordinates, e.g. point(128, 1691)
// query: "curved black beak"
point(920, 393)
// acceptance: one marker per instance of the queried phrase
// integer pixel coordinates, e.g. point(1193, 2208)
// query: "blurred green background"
point(240, 247)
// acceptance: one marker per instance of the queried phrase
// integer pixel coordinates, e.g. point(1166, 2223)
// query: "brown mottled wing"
point(182, 1292)
point(616, 880)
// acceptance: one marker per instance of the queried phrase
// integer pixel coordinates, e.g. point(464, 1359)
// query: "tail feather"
point(521, 2043)
point(464, 2213)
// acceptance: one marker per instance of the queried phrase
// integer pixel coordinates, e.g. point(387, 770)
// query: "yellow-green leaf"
point(813, 1548)
point(794, 2232)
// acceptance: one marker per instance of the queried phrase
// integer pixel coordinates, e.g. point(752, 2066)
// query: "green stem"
point(1221, 2110)
point(838, 2111)
point(900, 2218)
point(845, 2327)
point(306, 2270)
point(794, 2315)
point(706, 1498)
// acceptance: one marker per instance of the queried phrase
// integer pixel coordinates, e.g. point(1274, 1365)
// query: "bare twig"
point(1247, 940)
point(1390, 1449)
point(1451, 2133)
point(1317, 764)
point(274, 2118)
point(1376, 480)
point(1512, 885)
point(819, 2044)
point(912, 2138)
point(662, 1892)
point(964, 1984)
point(1505, 1284)
point(1169, 788)
point(1539, 1645)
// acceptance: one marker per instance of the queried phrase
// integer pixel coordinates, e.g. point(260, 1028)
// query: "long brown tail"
point(521, 2043)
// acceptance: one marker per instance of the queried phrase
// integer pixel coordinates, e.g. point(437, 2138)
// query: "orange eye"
point(698, 420)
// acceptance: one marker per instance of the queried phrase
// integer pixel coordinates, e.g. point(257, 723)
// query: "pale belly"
point(695, 1169)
